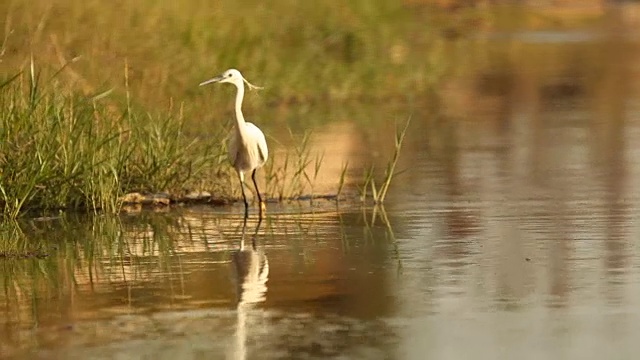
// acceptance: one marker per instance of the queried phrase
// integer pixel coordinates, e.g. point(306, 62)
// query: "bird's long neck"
point(239, 117)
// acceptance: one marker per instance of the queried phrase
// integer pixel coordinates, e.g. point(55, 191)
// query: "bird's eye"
point(229, 75)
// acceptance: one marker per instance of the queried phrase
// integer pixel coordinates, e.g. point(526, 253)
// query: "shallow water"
point(513, 233)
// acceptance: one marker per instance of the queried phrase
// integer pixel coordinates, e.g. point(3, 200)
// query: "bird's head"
point(231, 76)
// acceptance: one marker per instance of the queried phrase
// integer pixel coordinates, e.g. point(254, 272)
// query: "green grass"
point(56, 256)
point(290, 177)
point(59, 150)
point(379, 193)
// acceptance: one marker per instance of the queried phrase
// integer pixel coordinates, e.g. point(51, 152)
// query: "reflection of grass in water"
point(337, 229)
point(14, 243)
point(380, 212)
point(371, 219)
point(84, 254)
point(25, 278)
point(69, 244)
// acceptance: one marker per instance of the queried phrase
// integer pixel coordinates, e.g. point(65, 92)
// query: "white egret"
point(247, 146)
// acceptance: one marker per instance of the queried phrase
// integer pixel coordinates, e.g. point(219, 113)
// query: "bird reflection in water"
point(251, 272)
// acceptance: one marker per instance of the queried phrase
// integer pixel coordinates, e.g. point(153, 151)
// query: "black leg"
point(244, 197)
point(255, 184)
point(260, 202)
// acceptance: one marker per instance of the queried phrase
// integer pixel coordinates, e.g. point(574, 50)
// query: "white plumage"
point(247, 151)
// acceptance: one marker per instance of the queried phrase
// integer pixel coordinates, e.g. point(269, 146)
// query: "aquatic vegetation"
point(59, 150)
point(14, 243)
point(378, 194)
point(343, 174)
point(291, 177)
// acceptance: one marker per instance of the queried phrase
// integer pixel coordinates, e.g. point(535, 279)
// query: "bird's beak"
point(215, 79)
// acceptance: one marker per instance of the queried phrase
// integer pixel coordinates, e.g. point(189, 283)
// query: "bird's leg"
point(244, 197)
point(263, 208)
point(244, 229)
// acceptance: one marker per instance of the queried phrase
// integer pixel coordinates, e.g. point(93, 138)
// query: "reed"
point(341, 181)
point(291, 177)
point(60, 150)
point(379, 193)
